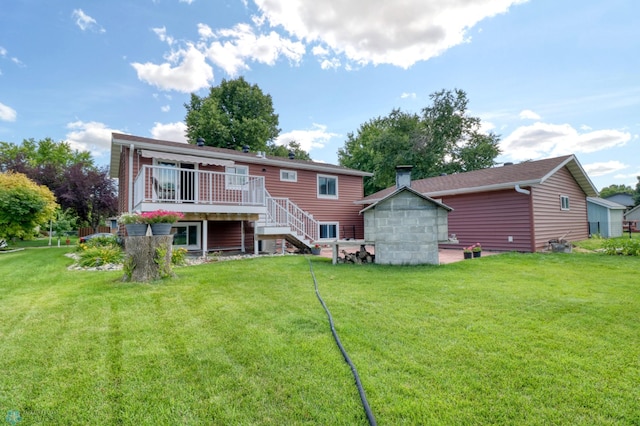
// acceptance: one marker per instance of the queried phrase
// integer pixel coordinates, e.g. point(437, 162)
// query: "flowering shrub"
point(130, 218)
point(161, 216)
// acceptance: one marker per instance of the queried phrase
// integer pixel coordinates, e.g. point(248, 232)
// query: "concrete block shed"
point(405, 227)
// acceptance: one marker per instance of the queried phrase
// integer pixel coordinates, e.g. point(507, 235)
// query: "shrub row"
point(620, 246)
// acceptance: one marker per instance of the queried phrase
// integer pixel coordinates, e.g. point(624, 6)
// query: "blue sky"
point(551, 77)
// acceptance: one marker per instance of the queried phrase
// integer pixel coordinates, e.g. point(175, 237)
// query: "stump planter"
point(147, 258)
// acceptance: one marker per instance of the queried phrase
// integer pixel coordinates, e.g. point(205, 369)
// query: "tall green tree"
point(610, 190)
point(234, 114)
point(23, 205)
point(442, 139)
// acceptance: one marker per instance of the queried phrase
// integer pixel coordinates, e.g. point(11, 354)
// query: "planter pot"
point(467, 255)
point(161, 228)
point(477, 253)
point(136, 229)
point(316, 251)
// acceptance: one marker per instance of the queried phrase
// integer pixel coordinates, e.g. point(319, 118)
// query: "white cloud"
point(235, 46)
point(605, 168)
point(165, 108)
point(541, 140)
point(406, 95)
point(186, 71)
point(205, 31)
point(382, 32)
point(527, 114)
point(333, 63)
point(7, 113)
point(176, 132)
point(186, 1)
point(86, 22)
point(316, 137)
point(162, 35)
point(90, 136)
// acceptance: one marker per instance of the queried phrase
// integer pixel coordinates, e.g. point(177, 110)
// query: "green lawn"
point(511, 339)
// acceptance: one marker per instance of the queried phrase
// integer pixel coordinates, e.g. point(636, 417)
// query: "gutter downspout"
point(130, 189)
point(522, 191)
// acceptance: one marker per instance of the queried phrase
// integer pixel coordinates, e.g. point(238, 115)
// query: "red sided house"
point(234, 200)
point(515, 207)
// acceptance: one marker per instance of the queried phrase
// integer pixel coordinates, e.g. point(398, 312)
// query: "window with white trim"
point(327, 186)
point(187, 235)
point(564, 202)
point(328, 230)
point(236, 182)
point(288, 175)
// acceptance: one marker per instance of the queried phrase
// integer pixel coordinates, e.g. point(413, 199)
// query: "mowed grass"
point(510, 339)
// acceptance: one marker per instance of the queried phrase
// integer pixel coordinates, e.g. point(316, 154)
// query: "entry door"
point(188, 187)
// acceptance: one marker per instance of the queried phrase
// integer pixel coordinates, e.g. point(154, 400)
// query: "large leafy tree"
point(234, 114)
point(23, 205)
point(442, 139)
point(70, 174)
point(616, 189)
point(89, 192)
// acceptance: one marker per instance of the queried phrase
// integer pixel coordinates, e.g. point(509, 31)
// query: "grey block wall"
point(406, 229)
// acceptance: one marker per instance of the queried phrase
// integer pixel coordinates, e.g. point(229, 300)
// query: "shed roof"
point(411, 190)
point(527, 173)
point(606, 203)
point(209, 153)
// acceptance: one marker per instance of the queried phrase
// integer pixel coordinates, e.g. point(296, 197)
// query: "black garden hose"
point(363, 397)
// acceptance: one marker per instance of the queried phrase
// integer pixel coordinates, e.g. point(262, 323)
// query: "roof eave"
point(191, 150)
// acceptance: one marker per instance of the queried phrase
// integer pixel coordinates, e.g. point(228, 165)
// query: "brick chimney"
point(403, 176)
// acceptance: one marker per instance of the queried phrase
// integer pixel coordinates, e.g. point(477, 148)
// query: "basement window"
point(328, 231)
point(564, 202)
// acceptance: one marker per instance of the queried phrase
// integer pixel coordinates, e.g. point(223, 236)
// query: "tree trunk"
point(147, 258)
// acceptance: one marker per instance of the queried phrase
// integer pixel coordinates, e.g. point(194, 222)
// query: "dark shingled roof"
point(120, 139)
point(527, 173)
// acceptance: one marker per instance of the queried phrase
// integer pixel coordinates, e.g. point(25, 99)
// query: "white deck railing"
point(170, 185)
point(283, 212)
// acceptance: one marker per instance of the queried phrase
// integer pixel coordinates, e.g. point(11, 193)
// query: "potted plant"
point(477, 250)
point(467, 252)
point(316, 249)
point(135, 225)
point(161, 220)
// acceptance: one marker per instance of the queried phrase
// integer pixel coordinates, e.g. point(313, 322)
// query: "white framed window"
point(564, 202)
point(288, 175)
point(236, 182)
point(328, 230)
point(187, 235)
point(327, 186)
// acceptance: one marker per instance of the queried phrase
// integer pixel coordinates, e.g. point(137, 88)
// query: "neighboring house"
point(624, 199)
point(632, 219)
point(518, 207)
point(605, 217)
point(406, 226)
point(234, 200)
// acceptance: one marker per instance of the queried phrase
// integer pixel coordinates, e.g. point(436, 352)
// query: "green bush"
point(179, 256)
point(622, 246)
point(100, 251)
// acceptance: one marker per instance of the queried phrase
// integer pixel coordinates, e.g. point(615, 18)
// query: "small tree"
point(23, 205)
